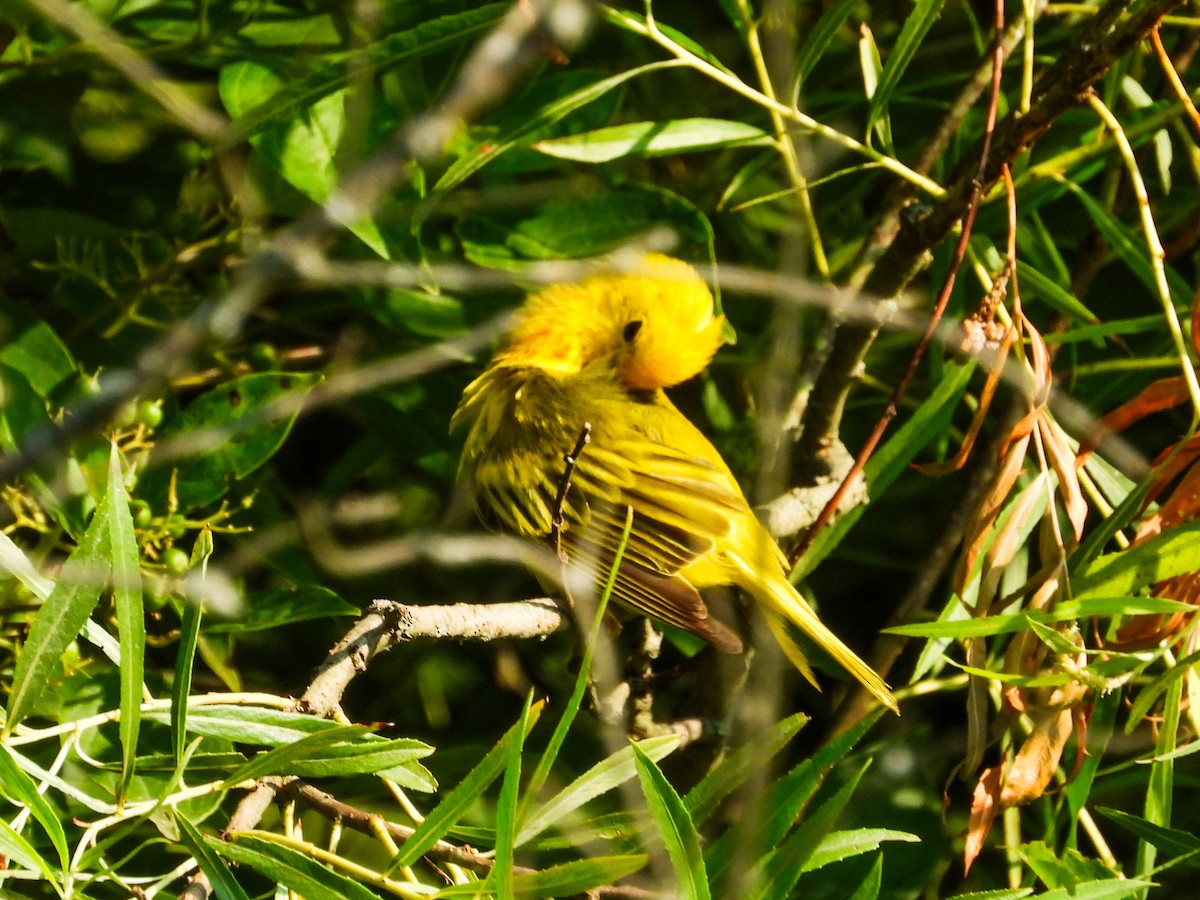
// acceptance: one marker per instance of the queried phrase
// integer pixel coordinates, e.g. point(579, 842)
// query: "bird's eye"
point(631, 330)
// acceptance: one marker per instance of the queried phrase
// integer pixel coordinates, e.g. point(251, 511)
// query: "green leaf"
point(282, 759)
point(1123, 572)
point(788, 797)
point(1060, 299)
point(871, 65)
point(815, 42)
point(235, 431)
point(782, 868)
point(394, 758)
point(926, 424)
point(1131, 249)
point(1100, 730)
point(1010, 894)
point(14, 846)
point(464, 794)
point(1172, 841)
point(255, 108)
point(286, 606)
point(185, 655)
point(916, 24)
point(565, 880)
point(288, 867)
point(580, 227)
point(506, 808)
point(75, 594)
point(20, 788)
point(225, 886)
point(1109, 889)
point(844, 844)
point(30, 346)
point(249, 724)
point(675, 827)
point(468, 165)
point(1063, 612)
point(131, 621)
point(703, 799)
point(868, 888)
point(600, 779)
point(302, 150)
point(563, 727)
point(653, 139)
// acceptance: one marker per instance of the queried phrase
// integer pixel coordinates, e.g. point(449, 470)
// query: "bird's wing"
point(683, 504)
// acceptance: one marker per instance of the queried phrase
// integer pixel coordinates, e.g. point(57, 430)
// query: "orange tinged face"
point(654, 328)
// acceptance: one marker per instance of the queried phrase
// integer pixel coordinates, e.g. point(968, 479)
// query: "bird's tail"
point(785, 606)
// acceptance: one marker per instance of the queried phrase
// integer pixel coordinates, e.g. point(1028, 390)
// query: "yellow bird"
point(600, 351)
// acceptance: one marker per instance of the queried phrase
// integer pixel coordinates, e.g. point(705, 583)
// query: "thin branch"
point(1111, 34)
point(564, 486)
point(939, 308)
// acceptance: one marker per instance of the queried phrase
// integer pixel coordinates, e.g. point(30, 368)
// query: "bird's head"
point(655, 327)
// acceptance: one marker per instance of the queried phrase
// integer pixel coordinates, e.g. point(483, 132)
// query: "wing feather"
point(683, 504)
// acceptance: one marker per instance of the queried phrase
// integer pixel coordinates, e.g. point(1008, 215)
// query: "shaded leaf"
point(675, 827)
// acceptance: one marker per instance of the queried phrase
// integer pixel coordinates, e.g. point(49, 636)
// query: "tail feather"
point(784, 605)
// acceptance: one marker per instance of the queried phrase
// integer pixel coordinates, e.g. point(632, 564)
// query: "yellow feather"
point(600, 351)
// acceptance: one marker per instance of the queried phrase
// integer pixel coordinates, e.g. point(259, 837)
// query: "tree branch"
point(1111, 34)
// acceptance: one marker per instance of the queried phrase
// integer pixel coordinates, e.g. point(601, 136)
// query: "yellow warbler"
point(600, 352)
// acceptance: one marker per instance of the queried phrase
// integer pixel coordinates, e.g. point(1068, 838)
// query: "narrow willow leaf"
point(554, 745)
point(1100, 729)
point(468, 165)
point(379, 756)
point(1165, 555)
point(282, 759)
point(577, 877)
point(844, 844)
point(225, 886)
point(788, 797)
point(653, 139)
point(598, 780)
point(1131, 248)
point(464, 794)
point(926, 424)
point(14, 846)
point(1058, 298)
point(871, 65)
point(675, 827)
point(868, 888)
point(131, 618)
point(1171, 841)
point(331, 72)
point(1009, 894)
point(506, 807)
point(76, 593)
point(916, 25)
point(289, 867)
point(1109, 889)
point(703, 799)
point(565, 880)
point(782, 868)
point(185, 654)
point(249, 724)
point(1063, 612)
point(815, 42)
point(19, 787)
point(1160, 792)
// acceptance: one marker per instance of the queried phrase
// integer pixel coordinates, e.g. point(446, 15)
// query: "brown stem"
point(1108, 36)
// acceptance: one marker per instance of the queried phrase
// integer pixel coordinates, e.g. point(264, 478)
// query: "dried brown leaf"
point(984, 806)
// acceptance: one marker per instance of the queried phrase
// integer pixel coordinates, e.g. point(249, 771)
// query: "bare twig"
point(1112, 33)
point(564, 486)
point(939, 307)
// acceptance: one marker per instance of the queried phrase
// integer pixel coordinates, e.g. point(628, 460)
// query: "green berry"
point(176, 561)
